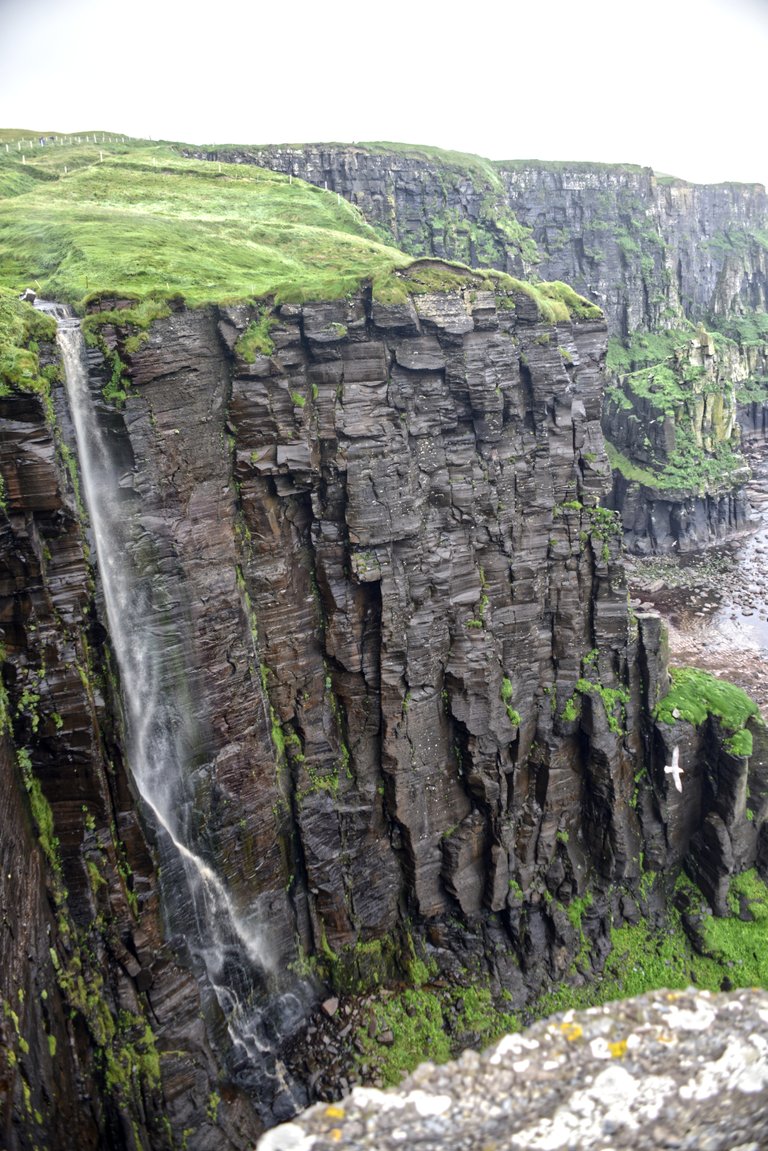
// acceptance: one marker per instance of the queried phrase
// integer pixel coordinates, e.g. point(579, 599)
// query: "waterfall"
point(164, 735)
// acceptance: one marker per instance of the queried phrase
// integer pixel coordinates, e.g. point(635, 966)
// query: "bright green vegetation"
point(139, 317)
point(644, 958)
point(148, 225)
point(555, 302)
point(43, 817)
point(752, 391)
point(255, 340)
point(689, 468)
point(604, 528)
point(696, 695)
point(431, 1023)
point(655, 367)
point(562, 296)
point(742, 944)
point(21, 330)
point(613, 699)
point(660, 385)
point(655, 371)
point(749, 331)
point(506, 693)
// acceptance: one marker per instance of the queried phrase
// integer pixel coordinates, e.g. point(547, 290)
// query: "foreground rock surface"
point(669, 1069)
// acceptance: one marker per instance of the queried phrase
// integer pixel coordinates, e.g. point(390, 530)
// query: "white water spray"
point(164, 739)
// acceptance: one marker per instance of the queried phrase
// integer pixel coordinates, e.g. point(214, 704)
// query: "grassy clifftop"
point(146, 222)
point(135, 218)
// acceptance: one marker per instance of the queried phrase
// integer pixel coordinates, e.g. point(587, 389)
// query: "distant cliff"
point(648, 249)
point(657, 254)
point(429, 749)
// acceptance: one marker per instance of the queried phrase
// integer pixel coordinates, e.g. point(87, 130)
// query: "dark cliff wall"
point(653, 252)
point(102, 1039)
point(646, 249)
point(426, 707)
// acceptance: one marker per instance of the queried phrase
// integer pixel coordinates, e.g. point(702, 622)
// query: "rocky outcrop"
point(422, 710)
point(668, 1069)
point(646, 248)
point(654, 252)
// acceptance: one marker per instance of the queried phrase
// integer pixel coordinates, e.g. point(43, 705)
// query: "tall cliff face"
point(102, 1039)
point(655, 253)
point(423, 709)
point(648, 249)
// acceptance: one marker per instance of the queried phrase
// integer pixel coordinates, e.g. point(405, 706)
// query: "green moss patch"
point(256, 340)
point(22, 328)
point(695, 695)
point(741, 944)
point(430, 1023)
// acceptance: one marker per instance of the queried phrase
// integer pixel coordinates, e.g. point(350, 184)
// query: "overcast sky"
point(679, 85)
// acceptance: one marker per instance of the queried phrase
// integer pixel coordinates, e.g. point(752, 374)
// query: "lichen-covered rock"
point(671, 1069)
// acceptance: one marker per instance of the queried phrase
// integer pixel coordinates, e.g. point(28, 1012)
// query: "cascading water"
point(165, 740)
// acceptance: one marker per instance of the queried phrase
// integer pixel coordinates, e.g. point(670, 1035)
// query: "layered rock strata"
point(645, 248)
point(103, 1042)
point(653, 252)
point(424, 711)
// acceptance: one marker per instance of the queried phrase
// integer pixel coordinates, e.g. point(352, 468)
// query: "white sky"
point(679, 85)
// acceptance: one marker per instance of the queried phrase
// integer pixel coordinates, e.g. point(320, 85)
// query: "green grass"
point(646, 958)
point(144, 222)
point(432, 1023)
point(695, 695)
point(150, 223)
point(21, 328)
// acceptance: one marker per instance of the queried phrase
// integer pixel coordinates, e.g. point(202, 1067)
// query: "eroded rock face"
point(423, 708)
point(650, 251)
point(641, 246)
point(677, 1069)
point(103, 1042)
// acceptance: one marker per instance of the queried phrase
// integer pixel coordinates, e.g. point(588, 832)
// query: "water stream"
point(166, 737)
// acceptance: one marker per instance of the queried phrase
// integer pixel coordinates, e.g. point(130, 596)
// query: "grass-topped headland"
point(134, 219)
point(148, 222)
point(695, 695)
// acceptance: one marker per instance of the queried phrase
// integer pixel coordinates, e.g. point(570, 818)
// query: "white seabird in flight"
point(675, 769)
